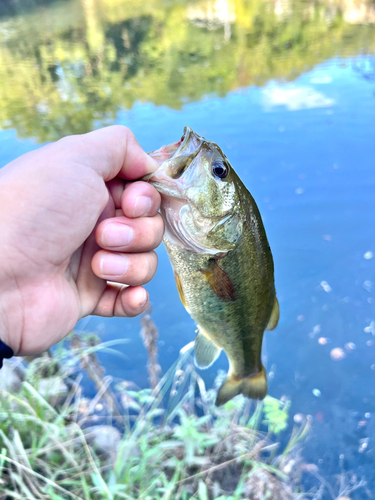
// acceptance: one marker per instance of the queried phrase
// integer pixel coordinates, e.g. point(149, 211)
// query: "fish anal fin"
point(181, 291)
point(254, 387)
point(275, 315)
point(220, 282)
point(205, 351)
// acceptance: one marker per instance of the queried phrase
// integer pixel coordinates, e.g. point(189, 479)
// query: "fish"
point(221, 259)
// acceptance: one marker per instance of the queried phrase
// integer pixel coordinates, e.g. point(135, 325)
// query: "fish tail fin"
point(254, 387)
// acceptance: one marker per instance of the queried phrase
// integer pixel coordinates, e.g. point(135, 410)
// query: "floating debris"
point(362, 423)
point(300, 317)
point(316, 393)
point(300, 190)
point(325, 286)
point(367, 285)
point(363, 444)
point(322, 340)
point(368, 255)
point(367, 415)
point(298, 418)
point(315, 331)
point(310, 468)
point(372, 367)
point(337, 354)
point(327, 237)
point(350, 346)
point(370, 328)
point(369, 343)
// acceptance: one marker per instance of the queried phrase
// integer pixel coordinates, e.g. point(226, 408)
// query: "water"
point(287, 89)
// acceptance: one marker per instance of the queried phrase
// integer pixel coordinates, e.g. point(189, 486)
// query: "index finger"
point(110, 151)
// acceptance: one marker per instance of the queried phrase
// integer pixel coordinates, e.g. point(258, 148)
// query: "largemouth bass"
point(221, 259)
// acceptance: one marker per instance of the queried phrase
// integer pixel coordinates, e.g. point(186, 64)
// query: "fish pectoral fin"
point(275, 315)
point(181, 291)
point(205, 351)
point(219, 282)
point(254, 387)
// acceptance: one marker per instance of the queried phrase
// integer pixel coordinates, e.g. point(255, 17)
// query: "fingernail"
point(117, 235)
point(142, 206)
point(113, 265)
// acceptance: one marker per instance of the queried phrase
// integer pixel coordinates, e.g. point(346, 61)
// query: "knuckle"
point(151, 232)
point(155, 234)
point(149, 268)
point(121, 130)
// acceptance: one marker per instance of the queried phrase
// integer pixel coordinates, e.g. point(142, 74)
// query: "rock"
point(53, 389)
point(261, 484)
point(12, 375)
point(105, 439)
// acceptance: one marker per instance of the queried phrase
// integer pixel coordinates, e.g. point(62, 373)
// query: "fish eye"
point(219, 169)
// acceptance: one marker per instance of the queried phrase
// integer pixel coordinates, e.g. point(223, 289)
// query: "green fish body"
point(221, 259)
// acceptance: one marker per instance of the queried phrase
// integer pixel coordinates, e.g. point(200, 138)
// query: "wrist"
point(10, 320)
point(5, 352)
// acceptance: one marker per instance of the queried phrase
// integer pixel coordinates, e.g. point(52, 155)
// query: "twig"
point(150, 334)
point(94, 370)
point(250, 455)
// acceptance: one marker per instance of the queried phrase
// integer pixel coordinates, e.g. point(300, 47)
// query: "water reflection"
point(72, 66)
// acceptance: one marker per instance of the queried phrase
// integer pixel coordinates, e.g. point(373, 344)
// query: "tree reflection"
point(72, 66)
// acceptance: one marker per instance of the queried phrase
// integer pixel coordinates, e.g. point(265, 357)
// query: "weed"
point(167, 442)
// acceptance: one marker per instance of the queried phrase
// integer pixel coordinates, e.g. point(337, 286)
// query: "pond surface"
point(287, 89)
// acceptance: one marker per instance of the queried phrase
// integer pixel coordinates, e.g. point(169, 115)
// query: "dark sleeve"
point(5, 352)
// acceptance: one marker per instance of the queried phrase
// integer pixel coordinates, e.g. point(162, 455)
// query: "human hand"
point(68, 223)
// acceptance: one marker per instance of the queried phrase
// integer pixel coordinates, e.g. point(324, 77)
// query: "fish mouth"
point(167, 189)
point(190, 137)
point(184, 140)
point(187, 137)
point(165, 181)
point(166, 178)
point(169, 151)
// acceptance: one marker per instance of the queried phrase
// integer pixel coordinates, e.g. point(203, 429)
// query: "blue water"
point(306, 151)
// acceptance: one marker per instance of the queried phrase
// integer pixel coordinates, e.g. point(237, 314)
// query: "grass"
point(171, 441)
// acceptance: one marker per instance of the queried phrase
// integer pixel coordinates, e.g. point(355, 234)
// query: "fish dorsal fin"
point(205, 351)
point(219, 281)
point(274, 318)
point(181, 291)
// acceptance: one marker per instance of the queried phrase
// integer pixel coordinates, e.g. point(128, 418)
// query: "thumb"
point(111, 151)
